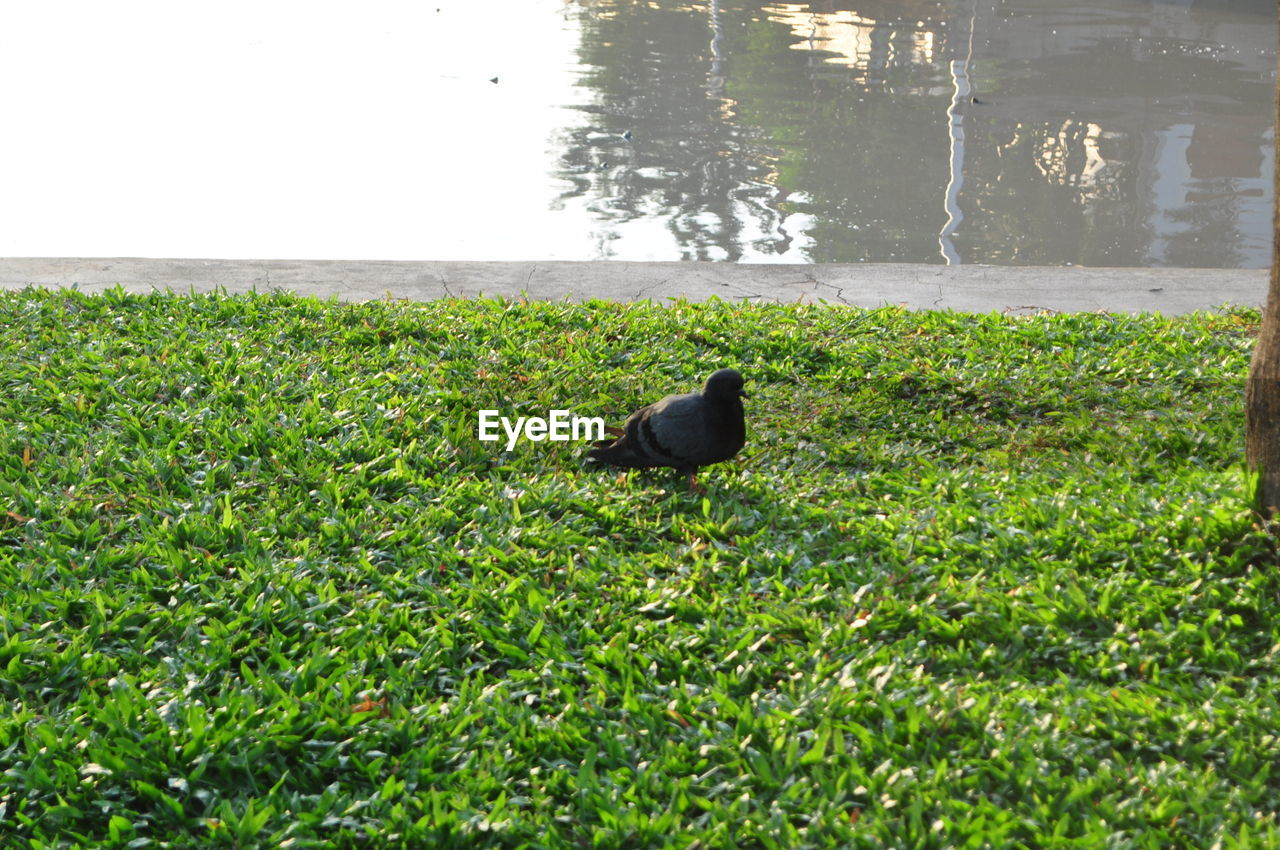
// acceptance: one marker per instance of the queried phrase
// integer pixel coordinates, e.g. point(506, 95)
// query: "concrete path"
point(916, 286)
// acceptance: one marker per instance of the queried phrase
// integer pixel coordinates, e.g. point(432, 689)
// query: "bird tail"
point(616, 454)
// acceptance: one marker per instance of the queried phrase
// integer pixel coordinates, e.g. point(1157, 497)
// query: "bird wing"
point(672, 431)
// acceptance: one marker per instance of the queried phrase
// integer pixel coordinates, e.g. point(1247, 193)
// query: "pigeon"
point(682, 431)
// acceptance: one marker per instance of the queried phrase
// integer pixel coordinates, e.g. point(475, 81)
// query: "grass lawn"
point(975, 581)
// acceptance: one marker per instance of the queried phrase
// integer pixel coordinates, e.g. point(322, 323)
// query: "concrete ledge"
point(915, 286)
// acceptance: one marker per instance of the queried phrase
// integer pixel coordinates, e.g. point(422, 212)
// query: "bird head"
point(725, 384)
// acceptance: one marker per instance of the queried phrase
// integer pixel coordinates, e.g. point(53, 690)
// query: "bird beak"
point(744, 393)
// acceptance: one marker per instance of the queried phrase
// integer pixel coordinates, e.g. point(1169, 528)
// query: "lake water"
point(1027, 132)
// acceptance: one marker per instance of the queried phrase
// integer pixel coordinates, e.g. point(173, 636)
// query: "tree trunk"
point(1262, 390)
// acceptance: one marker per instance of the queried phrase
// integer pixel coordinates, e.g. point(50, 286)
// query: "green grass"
point(975, 581)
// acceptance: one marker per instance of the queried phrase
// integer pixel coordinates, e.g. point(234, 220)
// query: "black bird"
point(682, 431)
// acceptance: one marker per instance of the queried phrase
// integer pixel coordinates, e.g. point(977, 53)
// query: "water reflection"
point(1113, 133)
point(1108, 132)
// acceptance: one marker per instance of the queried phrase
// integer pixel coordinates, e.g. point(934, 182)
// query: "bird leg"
point(694, 487)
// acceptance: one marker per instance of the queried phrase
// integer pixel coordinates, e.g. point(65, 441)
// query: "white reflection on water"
point(845, 37)
point(286, 129)
point(955, 126)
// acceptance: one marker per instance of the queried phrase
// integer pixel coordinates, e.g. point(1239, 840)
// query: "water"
point(1028, 132)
